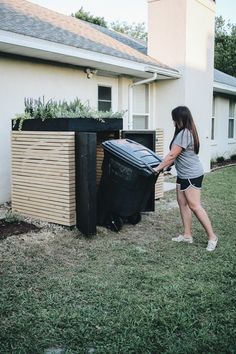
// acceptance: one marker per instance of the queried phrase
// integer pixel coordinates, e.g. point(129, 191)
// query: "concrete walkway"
point(168, 186)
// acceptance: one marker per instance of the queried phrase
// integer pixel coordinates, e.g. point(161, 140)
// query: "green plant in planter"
point(41, 109)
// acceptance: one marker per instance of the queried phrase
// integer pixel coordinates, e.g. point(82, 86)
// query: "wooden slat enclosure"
point(159, 189)
point(102, 136)
point(43, 175)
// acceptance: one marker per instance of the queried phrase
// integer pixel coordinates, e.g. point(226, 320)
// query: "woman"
point(184, 149)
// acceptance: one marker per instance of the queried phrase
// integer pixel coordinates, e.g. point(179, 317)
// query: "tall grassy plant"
point(42, 109)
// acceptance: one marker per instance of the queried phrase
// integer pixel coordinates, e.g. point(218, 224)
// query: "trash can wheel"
point(134, 219)
point(114, 222)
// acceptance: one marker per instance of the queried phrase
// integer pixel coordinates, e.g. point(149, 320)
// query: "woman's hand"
point(157, 169)
point(169, 159)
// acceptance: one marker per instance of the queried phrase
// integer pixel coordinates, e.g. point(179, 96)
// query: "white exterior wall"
point(181, 35)
point(123, 98)
point(20, 79)
point(168, 95)
point(222, 145)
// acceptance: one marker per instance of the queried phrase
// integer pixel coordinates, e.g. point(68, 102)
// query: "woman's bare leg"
point(193, 197)
point(185, 212)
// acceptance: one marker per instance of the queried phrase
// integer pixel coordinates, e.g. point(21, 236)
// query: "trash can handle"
point(132, 141)
point(151, 169)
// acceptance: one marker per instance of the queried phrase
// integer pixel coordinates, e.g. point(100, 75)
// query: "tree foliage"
point(225, 46)
point(135, 30)
point(86, 16)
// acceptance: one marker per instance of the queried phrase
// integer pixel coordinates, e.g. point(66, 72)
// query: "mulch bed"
point(216, 165)
point(15, 228)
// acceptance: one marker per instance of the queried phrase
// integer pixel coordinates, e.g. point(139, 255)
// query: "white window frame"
point(213, 120)
point(147, 114)
point(231, 118)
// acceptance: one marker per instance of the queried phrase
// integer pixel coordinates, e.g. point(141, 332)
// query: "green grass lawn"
point(130, 292)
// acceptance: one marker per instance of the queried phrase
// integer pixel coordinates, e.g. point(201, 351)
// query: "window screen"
point(104, 98)
point(231, 119)
point(231, 129)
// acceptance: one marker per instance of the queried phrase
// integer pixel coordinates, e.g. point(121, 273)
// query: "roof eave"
point(224, 88)
point(42, 49)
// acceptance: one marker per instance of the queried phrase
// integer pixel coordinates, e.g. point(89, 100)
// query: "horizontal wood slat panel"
point(58, 214)
point(67, 200)
point(41, 139)
point(159, 187)
point(44, 181)
point(33, 132)
point(43, 176)
point(68, 164)
point(37, 142)
point(38, 188)
point(34, 165)
point(101, 137)
point(41, 134)
point(34, 172)
point(35, 152)
point(40, 204)
point(46, 217)
point(100, 156)
point(37, 156)
point(159, 190)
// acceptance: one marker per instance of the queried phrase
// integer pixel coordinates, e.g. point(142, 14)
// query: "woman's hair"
point(183, 119)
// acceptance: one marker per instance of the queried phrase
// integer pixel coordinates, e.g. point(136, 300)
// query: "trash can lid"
point(134, 153)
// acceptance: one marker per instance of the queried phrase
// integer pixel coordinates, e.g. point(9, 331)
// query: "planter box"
point(71, 124)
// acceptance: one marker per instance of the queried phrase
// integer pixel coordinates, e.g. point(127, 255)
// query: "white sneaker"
point(182, 238)
point(212, 245)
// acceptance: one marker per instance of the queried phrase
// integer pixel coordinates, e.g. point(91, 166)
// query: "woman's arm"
point(169, 158)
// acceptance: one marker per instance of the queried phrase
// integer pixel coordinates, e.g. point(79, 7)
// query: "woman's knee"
point(195, 207)
point(193, 199)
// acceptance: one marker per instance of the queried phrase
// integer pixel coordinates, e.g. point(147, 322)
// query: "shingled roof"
point(28, 19)
point(123, 38)
point(224, 83)
point(223, 78)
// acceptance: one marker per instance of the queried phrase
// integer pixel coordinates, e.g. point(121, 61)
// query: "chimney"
point(181, 35)
point(181, 32)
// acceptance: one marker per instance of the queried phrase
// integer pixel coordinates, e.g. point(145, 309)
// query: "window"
point(141, 107)
point(231, 119)
point(213, 118)
point(104, 98)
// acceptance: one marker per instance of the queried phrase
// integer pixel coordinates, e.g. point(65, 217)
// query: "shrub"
point(212, 163)
point(11, 217)
point(233, 157)
point(220, 159)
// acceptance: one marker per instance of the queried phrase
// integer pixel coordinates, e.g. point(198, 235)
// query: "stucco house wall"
point(182, 43)
point(24, 78)
point(222, 145)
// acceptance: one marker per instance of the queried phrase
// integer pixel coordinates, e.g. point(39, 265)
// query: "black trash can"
point(127, 181)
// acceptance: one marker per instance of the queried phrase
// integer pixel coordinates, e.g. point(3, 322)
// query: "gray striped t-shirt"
point(187, 164)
